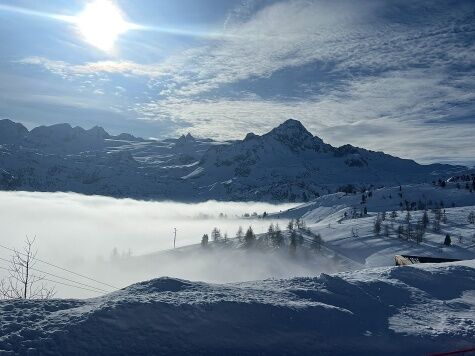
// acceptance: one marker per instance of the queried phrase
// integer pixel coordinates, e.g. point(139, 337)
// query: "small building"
point(404, 260)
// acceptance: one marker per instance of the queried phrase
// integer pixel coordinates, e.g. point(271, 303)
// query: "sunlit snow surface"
point(387, 310)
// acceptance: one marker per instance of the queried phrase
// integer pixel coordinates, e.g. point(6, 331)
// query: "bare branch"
point(20, 283)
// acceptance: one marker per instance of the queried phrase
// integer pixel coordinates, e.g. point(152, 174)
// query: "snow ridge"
point(373, 311)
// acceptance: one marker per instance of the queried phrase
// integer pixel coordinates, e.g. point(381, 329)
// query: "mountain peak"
point(98, 131)
point(294, 135)
point(292, 123)
point(185, 139)
point(291, 128)
point(11, 132)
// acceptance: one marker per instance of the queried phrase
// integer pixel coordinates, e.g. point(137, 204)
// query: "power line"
point(52, 281)
point(61, 268)
point(66, 279)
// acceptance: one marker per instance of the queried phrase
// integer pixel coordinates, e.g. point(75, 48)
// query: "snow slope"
point(392, 311)
point(369, 250)
point(384, 199)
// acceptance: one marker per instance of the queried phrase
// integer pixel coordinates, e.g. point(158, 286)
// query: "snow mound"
point(387, 310)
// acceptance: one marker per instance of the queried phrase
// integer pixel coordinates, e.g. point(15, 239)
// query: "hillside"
point(286, 164)
point(349, 243)
point(391, 311)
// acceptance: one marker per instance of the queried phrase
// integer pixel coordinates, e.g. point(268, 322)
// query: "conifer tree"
point(317, 241)
point(250, 237)
point(240, 234)
point(448, 240)
point(425, 220)
point(204, 240)
point(278, 239)
point(216, 234)
point(377, 225)
point(293, 240)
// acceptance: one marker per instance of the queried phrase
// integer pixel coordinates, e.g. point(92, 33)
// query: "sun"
point(101, 23)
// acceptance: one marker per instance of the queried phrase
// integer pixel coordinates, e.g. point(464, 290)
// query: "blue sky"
point(396, 76)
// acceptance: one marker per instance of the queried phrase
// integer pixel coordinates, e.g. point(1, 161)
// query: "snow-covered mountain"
point(286, 164)
point(289, 163)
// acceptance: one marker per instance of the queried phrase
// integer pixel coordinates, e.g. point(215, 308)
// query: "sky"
point(396, 76)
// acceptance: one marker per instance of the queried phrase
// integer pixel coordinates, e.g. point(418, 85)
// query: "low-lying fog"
point(104, 238)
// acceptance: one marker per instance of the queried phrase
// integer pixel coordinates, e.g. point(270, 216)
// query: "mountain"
point(286, 164)
point(289, 163)
point(11, 132)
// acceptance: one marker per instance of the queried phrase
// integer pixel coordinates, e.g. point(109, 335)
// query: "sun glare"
point(101, 23)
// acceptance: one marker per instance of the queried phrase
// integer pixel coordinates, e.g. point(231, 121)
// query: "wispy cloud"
point(403, 113)
point(68, 70)
point(404, 64)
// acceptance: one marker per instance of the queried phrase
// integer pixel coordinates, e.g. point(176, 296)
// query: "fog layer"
point(105, 238)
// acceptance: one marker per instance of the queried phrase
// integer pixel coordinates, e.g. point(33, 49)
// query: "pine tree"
point(444, 217)
point(409, 232)
point(400, 231)
point(293, 240)
point(448, 240)
point(216, 234)
point(377, 225)
point(298, 223)
point(393, 215)
point(271, 230)
point(471, 217)
point(290, 225)
point(204, 240)
point(250, 237)
point(270, 233)
point(317, 241)
point(240, 234)
point(419, 232)
point(278, 239)
point(425, 220)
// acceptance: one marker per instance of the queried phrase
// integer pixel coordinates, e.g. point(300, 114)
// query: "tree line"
point(275, 238)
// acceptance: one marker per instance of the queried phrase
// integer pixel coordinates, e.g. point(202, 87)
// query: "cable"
point(60, 277)
point(52, 281)
point(61, 268)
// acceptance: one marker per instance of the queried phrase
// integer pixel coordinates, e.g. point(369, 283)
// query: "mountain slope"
point(289, 163)
point(286, 164)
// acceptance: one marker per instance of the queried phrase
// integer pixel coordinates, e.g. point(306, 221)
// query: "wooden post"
point(174, 239)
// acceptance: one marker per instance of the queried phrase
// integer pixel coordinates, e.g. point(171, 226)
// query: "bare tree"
point(24, 280)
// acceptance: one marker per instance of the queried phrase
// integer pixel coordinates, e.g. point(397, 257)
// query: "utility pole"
point(174, 239)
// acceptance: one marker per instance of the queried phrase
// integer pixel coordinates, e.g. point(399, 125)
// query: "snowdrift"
point(388, 310)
